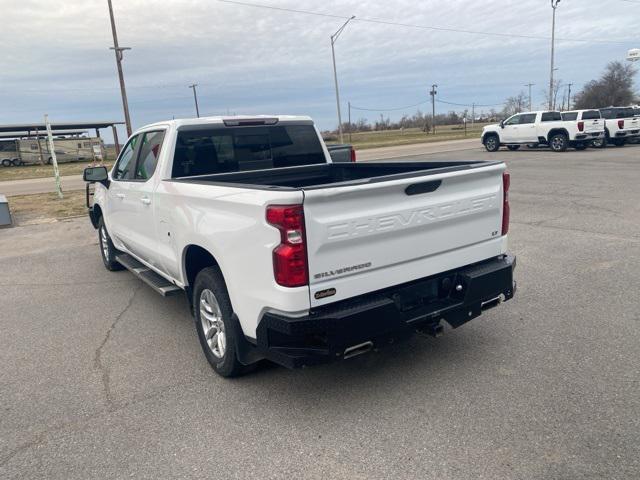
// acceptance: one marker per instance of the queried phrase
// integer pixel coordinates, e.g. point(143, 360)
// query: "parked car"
point(621, 124)
point(589, 123)
point(287, 256)
point(342, 153)
point(535, 128)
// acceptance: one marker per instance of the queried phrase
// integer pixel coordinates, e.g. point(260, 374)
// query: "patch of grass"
point(408, 136)
point(46, 207)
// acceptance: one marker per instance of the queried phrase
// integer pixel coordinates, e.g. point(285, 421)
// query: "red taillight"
point(506, 209)
point(620, 123)
point(290, 257)
point(353, 154)
point(581, 126)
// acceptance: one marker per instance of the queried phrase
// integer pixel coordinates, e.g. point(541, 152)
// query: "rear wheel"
point(6, 162)
point(16, 162)
point(107, 250)
point(513, 148)
point(558, 142)
point(213, 317)
point(599, 143)
point(492, 143)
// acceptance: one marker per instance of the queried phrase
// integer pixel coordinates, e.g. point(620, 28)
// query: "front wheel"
point(599, 143)
point(492, 143)
point(213, 317)
point(107, 250)
point(6, 162)
point(558, 142)
point(513, 148)
point(619, 142)
point(581, 146)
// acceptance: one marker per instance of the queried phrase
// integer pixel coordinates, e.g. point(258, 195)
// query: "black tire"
point(619, 142)
point(492, 143)
point(599, 143)
point(558, 142)
point(210, 288)
point(107, 251)
point(6, 162)
point(581, 146)
point(16, 162)
point(49, 161)
point(513, 148)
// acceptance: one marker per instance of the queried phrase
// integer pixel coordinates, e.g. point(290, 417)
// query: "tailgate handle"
point(424, 187)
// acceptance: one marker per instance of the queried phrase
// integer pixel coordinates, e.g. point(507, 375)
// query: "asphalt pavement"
point(102, 378)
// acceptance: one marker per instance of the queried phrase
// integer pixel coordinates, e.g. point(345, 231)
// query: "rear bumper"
point(378, 318)
point(590, 135)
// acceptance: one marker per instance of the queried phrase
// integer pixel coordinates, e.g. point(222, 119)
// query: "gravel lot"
point(101, 378)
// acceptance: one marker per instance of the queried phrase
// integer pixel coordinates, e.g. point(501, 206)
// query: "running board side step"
point(160, 284)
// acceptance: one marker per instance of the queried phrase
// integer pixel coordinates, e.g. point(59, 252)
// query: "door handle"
point(146, 200)
point(120, 196)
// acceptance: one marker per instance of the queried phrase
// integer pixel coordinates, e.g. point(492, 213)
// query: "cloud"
point(56, 58)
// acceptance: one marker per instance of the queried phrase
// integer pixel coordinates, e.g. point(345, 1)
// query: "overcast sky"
point(54, 56)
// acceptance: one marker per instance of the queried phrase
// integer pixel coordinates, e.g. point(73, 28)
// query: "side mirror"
point(96, 175)
point(501, 123)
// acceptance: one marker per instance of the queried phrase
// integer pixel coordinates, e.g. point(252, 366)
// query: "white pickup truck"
point(541, 128)
point(621, 125)
point(287, 256)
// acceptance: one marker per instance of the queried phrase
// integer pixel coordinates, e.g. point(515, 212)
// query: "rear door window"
point(233, 149)
point(551, 116)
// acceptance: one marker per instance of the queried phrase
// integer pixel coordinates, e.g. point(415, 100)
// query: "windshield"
point(233, 149)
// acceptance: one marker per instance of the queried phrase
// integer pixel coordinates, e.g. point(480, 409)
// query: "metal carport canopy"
point(30, 127)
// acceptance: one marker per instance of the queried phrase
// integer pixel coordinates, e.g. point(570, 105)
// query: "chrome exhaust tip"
point(356, 350)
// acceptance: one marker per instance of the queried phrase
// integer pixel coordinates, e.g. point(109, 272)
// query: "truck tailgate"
point(372, 236)
point(595, 125)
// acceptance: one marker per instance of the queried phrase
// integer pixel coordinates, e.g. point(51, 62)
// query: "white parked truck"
point(539, 128)
point(621, 125)
point(287, 256)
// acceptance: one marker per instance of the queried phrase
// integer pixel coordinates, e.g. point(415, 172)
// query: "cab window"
point(515, 120)
point(126, 162)
point(527, 118)
point(149, 153)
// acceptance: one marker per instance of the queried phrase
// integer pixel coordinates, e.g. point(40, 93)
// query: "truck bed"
point(332, 174)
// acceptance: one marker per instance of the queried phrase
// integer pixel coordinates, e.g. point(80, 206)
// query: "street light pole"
point(334, 38)
point(433, 106)
point(569, 97)
point(195, 98)
point(118, 51)
point(530, 102)
point(554, 5)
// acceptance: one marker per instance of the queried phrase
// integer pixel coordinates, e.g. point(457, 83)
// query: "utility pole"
point(334, 38)
point(530, 102)
point(473, 116)
point(554, 5)
point(350, 141)
point(433, 106)
point(118, 51)
point(195, 98)
point(569, 97)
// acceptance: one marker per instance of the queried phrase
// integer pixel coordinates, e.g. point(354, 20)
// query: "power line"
point(389, 109)
point(470, 105)
point(422, 27)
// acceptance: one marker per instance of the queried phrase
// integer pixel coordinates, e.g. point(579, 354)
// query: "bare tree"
point(556, 89)
point(614, 87)
point(516, 104)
